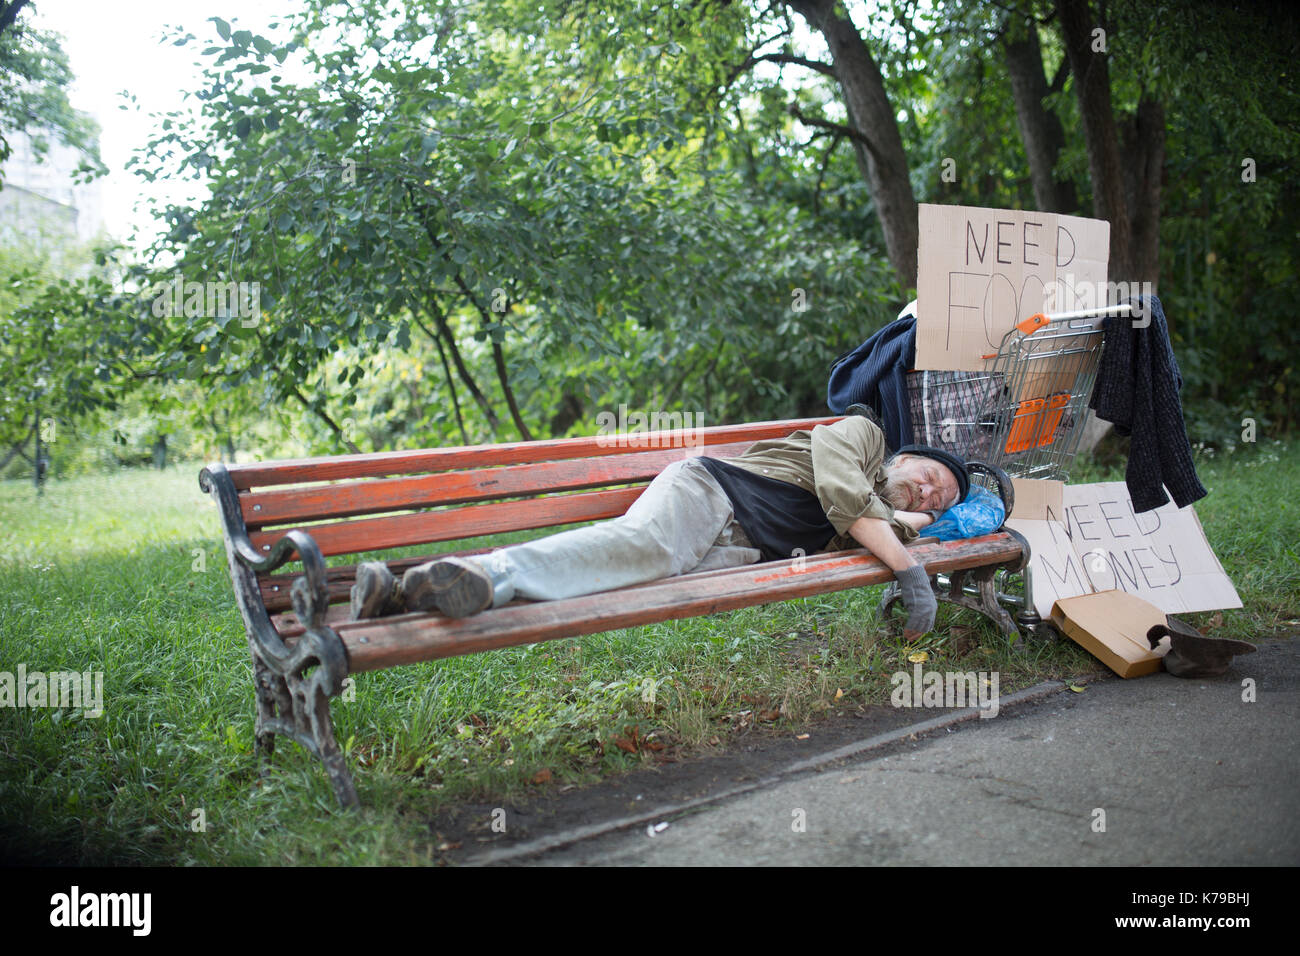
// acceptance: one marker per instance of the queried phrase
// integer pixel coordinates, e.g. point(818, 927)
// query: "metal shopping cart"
point(1024, 414)
point(1026, 410)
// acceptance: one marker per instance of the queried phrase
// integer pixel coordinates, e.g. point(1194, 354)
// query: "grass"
point(125, 574)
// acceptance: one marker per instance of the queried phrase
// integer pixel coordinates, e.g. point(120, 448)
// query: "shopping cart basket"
point(1026, 410)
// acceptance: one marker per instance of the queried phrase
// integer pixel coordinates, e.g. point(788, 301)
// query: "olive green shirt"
point(842, 464)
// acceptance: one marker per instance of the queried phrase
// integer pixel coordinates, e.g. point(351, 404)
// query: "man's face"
point(913, 483)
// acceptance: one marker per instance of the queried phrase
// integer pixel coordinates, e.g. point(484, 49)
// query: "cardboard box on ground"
point(1112, 626)
point(1104, 573)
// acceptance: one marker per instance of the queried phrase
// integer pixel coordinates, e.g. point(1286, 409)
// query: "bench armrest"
point(309, 592)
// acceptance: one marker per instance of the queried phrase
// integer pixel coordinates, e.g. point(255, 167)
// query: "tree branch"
point(324, 416)
point(9, 13)
point(440, 317)
point(446, 370)
point(837, 128)
point(821, 173)
point(498, 356)
point(790, 58)
point(17, 449)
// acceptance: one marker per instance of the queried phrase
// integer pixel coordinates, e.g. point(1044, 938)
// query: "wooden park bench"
point(303, 644)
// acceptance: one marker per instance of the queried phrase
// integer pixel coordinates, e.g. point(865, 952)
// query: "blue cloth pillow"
point(981, 513)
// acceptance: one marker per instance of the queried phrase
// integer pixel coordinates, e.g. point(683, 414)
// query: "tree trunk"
point(38, 461)
point(1125, 189)
point(1040, 130)
point(1092, 87)
point(569, 412)
point(499, 360)
point(880, 151)
point(1144, 148)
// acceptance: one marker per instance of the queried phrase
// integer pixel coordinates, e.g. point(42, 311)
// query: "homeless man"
point(821, 490)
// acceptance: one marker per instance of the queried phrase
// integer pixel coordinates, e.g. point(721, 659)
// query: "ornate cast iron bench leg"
point(290, 701)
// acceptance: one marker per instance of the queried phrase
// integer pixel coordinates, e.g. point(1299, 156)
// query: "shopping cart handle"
point(1028, 327)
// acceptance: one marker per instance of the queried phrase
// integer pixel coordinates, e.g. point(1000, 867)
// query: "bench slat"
point(408, 638)
point(426, 527)
point(381, 464)
point(267, 508)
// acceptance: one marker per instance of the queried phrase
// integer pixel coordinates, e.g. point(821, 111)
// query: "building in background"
point(40, 198)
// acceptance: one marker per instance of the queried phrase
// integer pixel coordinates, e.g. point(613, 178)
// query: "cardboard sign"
point(981, 271)
point(1036, 498)
point(1097, 543)
point(1112, 626)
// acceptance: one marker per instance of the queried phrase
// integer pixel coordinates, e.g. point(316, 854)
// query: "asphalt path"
point(1151, 771)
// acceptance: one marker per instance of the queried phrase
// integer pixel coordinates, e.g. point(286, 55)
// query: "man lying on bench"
point(821, 490)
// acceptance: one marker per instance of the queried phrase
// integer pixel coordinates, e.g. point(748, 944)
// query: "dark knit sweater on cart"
point(1138, 381)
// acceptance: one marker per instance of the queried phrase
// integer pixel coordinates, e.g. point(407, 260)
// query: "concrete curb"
point(1029, 695)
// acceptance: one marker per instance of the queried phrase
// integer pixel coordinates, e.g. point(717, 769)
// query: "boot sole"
point(456, 588)
point(369, 593)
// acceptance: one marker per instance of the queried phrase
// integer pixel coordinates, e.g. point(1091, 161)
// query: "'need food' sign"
point(981, 271)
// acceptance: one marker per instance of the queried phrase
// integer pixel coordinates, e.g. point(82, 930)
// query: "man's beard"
point(900, 492)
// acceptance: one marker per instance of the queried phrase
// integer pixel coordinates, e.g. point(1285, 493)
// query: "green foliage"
point(469, 222)
point(68, 350)
point(446, 190)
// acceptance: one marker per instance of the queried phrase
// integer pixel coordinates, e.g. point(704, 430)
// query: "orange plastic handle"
point(1033, 323)
point(1025, 425)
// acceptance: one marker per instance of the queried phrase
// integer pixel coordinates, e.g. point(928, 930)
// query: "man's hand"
point(878, 537)
point(919, 600)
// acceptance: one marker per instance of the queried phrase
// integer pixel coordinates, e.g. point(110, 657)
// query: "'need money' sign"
point(1097, 543)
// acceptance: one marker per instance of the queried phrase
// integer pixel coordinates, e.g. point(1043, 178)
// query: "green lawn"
point(126, 575)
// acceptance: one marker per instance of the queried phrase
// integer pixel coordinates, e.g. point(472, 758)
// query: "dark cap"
point(951, 461)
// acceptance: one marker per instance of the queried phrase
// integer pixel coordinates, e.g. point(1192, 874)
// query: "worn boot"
point(1191, 653)
point(455, 586)
point(376, 592)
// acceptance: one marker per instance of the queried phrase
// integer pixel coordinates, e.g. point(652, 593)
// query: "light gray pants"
point(682, 522)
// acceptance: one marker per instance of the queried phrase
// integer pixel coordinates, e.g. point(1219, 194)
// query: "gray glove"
point(919, 600)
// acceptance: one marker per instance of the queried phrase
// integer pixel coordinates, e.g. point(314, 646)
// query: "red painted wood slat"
point(373, 496)
point(408, 638)
point(381, 464)
point(450, 524)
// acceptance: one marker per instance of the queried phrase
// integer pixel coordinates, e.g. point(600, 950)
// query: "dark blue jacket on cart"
point(875, 374)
